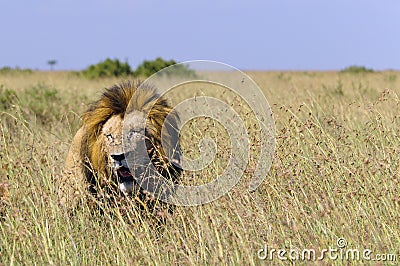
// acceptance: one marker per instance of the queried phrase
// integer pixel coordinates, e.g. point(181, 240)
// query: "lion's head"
point(121, 134)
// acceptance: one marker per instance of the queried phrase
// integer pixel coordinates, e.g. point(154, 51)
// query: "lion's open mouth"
point(125, 179)
point(124, 173)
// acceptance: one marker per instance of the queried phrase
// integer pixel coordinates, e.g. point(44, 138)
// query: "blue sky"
point(250, 35)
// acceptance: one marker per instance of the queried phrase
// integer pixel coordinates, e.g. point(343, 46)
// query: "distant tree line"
point(116, 68)
point(357, 69)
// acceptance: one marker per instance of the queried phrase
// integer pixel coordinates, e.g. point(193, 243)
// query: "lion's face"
point(113, 148)
point(120, 149)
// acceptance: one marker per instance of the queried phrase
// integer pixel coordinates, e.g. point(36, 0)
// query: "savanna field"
point(335, 175)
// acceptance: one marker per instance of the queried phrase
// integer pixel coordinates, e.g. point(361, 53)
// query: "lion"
point(101, 161)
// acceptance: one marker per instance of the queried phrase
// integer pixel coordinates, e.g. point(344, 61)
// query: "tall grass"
point(336, 174)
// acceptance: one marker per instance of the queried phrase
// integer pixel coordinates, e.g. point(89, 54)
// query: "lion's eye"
point(109, 137)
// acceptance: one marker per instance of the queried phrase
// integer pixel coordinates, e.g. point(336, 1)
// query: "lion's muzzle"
point(131, 166)
point(122, 171)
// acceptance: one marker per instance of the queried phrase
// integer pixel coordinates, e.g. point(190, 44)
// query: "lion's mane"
point(87, 167)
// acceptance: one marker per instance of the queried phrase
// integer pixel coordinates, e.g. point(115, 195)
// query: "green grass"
point(336, 173)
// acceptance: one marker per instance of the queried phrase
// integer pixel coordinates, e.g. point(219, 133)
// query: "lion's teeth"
point(126, 187)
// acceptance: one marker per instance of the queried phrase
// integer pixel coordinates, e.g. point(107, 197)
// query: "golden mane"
point(113, 101)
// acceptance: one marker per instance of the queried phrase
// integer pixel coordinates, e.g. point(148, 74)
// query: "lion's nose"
point(118, 157)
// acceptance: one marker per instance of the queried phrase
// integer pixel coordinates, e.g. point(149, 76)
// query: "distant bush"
point(41, 101)
point(114, 68)
point(148, 68)
point(108, 68)
point(8, 97)
point(356, 70)
point(14, 70)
